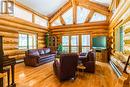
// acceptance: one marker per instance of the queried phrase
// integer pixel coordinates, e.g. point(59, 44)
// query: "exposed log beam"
point(114, 4)
point(30, 10)
point(83, 1)
point(96, 7)
point(97, 31)
point(81, 25)
point(62, 20)
point(60, 11)
point(90, 15)
point(74, 3)
point(74, 14)
point(82, 28)
point(117, 3)
point(20, 21)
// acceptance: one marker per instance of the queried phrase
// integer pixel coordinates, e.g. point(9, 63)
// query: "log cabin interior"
point(65, 43)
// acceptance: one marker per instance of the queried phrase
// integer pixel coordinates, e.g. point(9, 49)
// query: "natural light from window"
point(27, 41)
point(56, 22)
point(82, 14)
point(21, 13)
point(40, 21)
point(68, 16)
point(65, 44)
point(98, 17)
point(85, 43)
point(74, 44)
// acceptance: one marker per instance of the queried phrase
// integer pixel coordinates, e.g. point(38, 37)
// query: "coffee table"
point(81, 69)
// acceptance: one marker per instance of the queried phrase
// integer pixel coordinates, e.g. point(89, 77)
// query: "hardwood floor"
point(43, 76)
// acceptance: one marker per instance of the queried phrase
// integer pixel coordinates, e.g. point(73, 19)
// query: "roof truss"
point(93, 7)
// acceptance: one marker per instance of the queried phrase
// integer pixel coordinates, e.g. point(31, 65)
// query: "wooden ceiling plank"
point(90, 15)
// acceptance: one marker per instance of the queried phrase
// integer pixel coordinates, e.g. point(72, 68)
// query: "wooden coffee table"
point(81, 69)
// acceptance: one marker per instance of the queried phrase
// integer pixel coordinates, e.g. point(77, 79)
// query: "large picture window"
point(85, 43)
point(76, 43)
point(27, 41)
point(65, 44)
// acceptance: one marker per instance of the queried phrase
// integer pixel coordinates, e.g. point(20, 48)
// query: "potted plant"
point(59, 49)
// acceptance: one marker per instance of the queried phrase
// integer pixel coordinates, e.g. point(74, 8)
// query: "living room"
point(65, 43)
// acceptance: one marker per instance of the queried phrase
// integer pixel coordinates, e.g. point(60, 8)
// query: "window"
point(74, 44)
point(98, 17)
point(27, 41)
point(65, 44)
point(119, 43)
point(56, 22)
point(85, 43)
point(40, 21)
point(21, 13)
point(68, 16)
point(82, 14)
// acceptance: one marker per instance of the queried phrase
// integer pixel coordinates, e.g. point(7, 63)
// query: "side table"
point(81, 70)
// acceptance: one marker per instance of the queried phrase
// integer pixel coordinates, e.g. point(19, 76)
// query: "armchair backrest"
point(91, 56)
point(68, 64)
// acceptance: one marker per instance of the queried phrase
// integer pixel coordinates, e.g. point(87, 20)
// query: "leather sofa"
point(65, 67)
point(36, 57)
point(89, 62)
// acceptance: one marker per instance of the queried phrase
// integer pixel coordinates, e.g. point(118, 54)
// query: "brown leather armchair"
point(89, 62)
point(65, 68)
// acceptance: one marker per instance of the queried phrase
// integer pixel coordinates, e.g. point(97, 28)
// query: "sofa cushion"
point(47, 50)
point(41, 51)
point(33, 52)
point(47, 55)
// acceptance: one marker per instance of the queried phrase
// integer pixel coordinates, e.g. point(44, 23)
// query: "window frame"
point(79, 45)
point(82, 46)
point(28, 47)
point(66, 45)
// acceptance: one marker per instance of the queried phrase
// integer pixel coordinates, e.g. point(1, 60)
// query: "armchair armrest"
point(57, 63)
point(56, 67)
point(31, 60)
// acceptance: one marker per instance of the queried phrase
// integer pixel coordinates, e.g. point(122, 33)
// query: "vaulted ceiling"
point(50, 7)
point(44, 7)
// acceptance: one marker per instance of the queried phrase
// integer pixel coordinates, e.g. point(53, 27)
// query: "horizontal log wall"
point(120, 17)
point(127, 37)
point(94, 29)
point(10, 27)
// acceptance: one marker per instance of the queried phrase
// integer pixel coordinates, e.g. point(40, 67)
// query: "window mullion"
point(27, 41)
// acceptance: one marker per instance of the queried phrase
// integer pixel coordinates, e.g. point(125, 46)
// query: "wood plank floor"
point(43, 76)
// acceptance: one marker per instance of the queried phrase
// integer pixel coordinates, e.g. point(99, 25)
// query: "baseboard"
point(19, 61)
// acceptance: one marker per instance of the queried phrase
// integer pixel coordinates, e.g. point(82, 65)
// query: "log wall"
point(10, 27)
point(94, 29)
point(120, 17)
